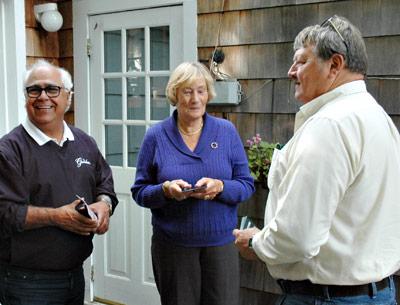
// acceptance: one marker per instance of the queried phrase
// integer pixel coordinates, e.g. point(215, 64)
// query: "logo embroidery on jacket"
point(79, 161)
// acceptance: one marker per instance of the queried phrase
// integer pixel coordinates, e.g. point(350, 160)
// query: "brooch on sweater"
point(214, 145)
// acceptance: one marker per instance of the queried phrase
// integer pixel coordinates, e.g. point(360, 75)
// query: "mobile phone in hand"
point(194, 189)
point(83, 208)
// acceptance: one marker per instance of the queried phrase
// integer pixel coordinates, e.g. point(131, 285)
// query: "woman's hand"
point(173, 189)
point(213, 188)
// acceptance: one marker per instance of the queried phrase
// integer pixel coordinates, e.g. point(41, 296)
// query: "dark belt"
point(330, 291)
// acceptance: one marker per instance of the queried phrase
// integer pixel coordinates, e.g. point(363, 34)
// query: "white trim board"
point(12, 64)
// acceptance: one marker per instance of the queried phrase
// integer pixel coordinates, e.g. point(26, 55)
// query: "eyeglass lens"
point(36, 91)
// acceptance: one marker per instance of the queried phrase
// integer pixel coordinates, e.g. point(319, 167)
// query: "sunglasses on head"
point(329, 22)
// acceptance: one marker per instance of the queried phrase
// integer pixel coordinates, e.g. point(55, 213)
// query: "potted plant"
point(259, 155)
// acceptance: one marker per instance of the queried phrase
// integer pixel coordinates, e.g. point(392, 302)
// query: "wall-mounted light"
point(48, 15)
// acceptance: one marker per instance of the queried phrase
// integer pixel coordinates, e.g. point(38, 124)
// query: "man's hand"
point(103, 216)
point(64, 217)
point(67, 218)
point(242, 238)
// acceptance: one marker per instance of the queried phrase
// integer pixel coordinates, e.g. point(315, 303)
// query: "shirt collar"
point(312, 107)
point(41, 138)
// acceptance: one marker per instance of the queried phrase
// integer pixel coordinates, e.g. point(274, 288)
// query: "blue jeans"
point(385, 296)
point(28, 287)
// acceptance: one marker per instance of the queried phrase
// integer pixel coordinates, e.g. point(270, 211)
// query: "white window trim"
point(82, 9)
point(12, 63)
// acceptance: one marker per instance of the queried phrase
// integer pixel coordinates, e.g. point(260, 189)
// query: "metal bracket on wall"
point(228, 93)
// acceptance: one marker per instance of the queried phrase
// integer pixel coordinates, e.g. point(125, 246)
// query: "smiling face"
point(192, 100)
point(44, 112)
point(310, 74)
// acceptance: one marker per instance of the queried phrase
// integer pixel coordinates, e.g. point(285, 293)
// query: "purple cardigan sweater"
point(220, 155)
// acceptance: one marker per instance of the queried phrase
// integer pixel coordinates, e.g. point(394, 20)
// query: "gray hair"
point(327, 40)
point(66, 78)
point(65, 75)
point(186, 73)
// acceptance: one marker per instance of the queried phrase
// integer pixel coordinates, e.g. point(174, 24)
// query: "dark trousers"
point(195, 276)
point(29, 287)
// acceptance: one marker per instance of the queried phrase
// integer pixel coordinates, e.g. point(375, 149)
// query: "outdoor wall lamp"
point(48, 15)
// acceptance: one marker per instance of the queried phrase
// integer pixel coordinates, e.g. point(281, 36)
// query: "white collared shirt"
point(333, 212)
point(41, 138)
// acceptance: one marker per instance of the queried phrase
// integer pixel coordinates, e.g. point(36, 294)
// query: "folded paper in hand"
point(246, 223)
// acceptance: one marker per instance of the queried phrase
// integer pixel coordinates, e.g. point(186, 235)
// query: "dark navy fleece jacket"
point(47, 176)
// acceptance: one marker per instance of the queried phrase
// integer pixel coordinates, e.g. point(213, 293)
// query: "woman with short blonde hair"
point(186, 73)
point(192, 173)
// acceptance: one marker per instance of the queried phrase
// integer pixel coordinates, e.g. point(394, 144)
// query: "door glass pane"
point(135, 56)
point(136, 98)
point(113, 144)
point(112, 51)
point(159, 48)
point(113, 99)
point(158, 100)
point(135, 138)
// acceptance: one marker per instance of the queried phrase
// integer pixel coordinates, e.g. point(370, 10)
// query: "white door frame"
point(12, 64)
point(82, 9)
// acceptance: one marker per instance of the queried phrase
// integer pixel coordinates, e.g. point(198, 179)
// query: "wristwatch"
point(107, 200)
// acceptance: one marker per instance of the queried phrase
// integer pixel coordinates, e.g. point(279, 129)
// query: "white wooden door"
point(131, 56)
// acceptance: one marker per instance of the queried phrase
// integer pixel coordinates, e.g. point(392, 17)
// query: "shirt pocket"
point(276, 169)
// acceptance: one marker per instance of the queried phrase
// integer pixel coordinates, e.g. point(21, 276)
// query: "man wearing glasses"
point(332, 221)
point(44, 166)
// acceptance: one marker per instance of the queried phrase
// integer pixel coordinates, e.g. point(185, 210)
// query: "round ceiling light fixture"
point(48, 16)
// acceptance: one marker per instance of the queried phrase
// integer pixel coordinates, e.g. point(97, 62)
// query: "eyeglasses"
point(36, 91)
point(330, 22)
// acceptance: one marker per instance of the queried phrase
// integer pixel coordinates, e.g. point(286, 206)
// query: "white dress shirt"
point(333, 211)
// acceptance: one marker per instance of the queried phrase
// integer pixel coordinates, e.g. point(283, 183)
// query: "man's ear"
point(338, 63)
point(70, 96)
point(69, 101)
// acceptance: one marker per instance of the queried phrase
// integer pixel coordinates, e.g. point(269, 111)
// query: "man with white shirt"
point(332, 220)
point(44, 165)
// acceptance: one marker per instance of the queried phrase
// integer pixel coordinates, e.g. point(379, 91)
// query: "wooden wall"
point(256, 37)
point(55, 47)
